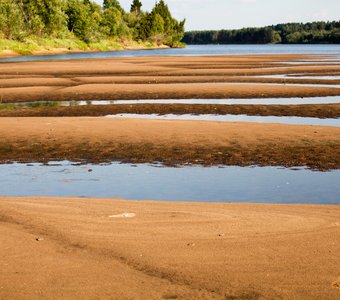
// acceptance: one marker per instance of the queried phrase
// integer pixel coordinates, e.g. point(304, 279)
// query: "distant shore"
point(289, 33)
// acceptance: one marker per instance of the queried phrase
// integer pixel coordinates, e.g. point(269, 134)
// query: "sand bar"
point(92, 248)
point(168, 141)
point(155, 78)
point(307, 110)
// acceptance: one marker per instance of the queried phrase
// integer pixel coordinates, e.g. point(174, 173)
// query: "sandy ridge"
point(308, 110)
point(171, 142)
point(147, 77)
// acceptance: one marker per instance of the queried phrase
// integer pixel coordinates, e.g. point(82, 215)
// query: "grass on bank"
point(31, 105)
point(7, 106)
point(34, 45)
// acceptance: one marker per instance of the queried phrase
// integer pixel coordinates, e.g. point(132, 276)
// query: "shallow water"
point(336, 85)
point(145, 182)
point(195, 50)
point(298, 76)
point(268, 83)
point(236, 118)
point(326, 61)
point(253, 101)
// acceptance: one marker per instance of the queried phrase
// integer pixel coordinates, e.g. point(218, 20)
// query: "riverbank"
point(92, 248)
point(40, 46)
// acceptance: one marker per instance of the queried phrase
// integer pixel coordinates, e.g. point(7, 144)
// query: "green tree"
point(163, 10)
point(88, 21)
point(11, 19)
point(136, 7)
point(145, 26)
point(84, 19)
point(157, 26)
point(294, 38)
point(112, 22)
point(172, 29)
point(44, 16)
point(114, 4)
point(276, 38)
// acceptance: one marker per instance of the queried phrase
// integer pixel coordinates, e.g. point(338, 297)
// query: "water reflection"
point(195, 50)
point(146, 182)
point(254, 101)
point(298, 76)
point(236, 118)
point(266, 83)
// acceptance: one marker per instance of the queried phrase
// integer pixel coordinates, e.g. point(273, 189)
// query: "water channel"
point(154, 182)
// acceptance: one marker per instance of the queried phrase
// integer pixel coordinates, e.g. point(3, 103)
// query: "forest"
point(34, 21)
point(290, 33)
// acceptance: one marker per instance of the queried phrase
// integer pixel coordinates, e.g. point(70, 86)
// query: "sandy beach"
point(114, 249)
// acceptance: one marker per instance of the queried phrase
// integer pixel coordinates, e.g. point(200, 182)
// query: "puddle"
point(326, 61)
point(236, 118)
point(309, 85)
point(266, 83)
point(298, 76)
point(254, 101)
point(147, 182)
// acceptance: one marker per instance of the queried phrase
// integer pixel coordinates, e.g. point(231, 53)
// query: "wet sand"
point(307, 110)
point(114, 249)
point(159, 91)
point(170, 142)
point(156, 78)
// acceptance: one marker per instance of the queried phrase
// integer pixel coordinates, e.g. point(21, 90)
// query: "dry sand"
point(72, 249)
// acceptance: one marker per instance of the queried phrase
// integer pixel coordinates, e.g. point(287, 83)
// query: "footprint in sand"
point(123, 215)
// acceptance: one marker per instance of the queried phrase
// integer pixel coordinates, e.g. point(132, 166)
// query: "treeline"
point(88, 21)
point(290, 33)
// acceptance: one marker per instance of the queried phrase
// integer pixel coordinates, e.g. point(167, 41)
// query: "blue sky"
point(229, 14)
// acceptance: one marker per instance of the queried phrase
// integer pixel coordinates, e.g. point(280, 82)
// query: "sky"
point(234, 14)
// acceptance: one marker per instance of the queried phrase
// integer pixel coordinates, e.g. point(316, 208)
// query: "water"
point(299, 76)
point(268, 83)
point(250, 101)
point(195, 50)
point(236, 118)
point(324, 61)
point(331, 85)
point(145, 182)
